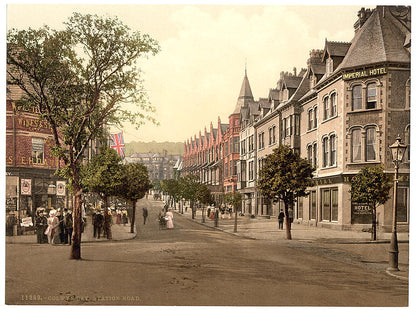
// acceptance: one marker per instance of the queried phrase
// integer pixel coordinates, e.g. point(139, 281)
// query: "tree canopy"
point(78, 80)
point(285, 176)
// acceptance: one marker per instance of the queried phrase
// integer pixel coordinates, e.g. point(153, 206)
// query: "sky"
point(197, 75)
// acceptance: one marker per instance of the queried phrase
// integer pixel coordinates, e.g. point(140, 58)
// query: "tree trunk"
point(77, 220)
point(107, 225)
point(203, 215)
point(374, 224)
point(287, 221)
point(235, 218)
point(133, 218)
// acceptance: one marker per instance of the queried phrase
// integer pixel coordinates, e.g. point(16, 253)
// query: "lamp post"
point(397, 150)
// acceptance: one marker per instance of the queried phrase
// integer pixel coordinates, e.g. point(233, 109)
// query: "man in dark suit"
point(68, 226)
point(145, 215)
point(98, 224)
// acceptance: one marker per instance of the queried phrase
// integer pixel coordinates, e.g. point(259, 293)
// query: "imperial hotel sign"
point(365, 73)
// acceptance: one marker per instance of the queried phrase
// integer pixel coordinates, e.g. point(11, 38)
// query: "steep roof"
point(335, 48)
point(245, 95)
point(291, 81)
point(380, 39)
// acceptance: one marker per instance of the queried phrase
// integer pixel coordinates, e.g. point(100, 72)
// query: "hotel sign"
point(365, 73)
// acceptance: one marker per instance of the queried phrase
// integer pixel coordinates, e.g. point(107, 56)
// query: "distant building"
point(159, 166)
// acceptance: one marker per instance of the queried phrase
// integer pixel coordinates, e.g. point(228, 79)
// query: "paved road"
point(193, 265)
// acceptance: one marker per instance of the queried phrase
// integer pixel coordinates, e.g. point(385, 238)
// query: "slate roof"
point(380, 39)
point(292, 81)
point(335, 48)
point(245, 95)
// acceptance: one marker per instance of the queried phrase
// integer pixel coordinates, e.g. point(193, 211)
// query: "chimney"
point(294, 71)
point(363, 16)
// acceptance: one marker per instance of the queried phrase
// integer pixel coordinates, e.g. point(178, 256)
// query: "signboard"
point(365, 73)
point(26, 222)
point(11, 204)
point(360, 213)
point(26, 186)
point(60, 188)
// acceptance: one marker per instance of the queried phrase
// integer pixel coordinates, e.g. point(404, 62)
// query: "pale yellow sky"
point(198, 73)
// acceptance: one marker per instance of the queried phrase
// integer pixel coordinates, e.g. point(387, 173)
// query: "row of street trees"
point(107, 176)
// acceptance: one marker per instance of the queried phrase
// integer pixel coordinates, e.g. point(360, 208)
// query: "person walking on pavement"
point(281, 217)
point(124, 217)
point(98, 224)
point(145, 215)
point(118, 219)
point(53, 227)
point(169, 222)
point(68, 227)
point(41, 223)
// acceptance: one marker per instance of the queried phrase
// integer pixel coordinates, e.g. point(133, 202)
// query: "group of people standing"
point(55, 229)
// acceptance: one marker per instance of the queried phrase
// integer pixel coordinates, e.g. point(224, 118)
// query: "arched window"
point(326, 108)
point(370, 139)
point(357, 98)
point(333, 151)
point(356, 145)
point(333, 101)
point(325, 151)
point(310, 155)
point(371, 96)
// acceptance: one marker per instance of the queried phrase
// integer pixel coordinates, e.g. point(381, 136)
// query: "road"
point(193, 265)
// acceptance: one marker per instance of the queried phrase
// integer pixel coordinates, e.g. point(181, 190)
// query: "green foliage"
point(135, 181)
point(172, 188)
point(233, 198)
point(203, 194)
point(371, 185)
point(101, 174)
point(79, 79)
point(157, 185)
point(285, 175)
point(189, 186)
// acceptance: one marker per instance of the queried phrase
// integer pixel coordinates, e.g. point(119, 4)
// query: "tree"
point(100, 175)
point(171, 187)
point(189, 187)
point(203, 195)
point(233, 199)
point(371, 186)
point(135, 184)
point(79, 79)
point(285, 176)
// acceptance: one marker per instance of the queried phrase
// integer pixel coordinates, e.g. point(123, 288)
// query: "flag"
point(117, 143)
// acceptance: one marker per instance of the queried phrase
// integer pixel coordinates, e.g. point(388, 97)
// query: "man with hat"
point(41, 222)
point(68, 226)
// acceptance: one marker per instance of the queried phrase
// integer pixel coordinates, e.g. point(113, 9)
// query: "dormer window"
point(329, 66)
point(312, 81)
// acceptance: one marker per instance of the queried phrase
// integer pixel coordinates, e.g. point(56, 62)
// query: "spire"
point(245, 95)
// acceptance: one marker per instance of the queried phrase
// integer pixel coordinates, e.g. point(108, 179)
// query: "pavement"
point(119, 232)
point(358, 243)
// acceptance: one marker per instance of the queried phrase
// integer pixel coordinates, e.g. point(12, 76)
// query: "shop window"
point(357, 98)
point(371, 96)
point(38, 156)
point(329, 204)
point(356, 145)
point(402, 204)
point(312, 205)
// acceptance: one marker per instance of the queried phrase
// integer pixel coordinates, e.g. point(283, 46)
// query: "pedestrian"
point(281, 217)
point(169, 222)
point(61, 225)
point(145, 214)
point(53, 227)
point(94, 215)
point(124, 217)
point(41, 223)
point(68, 226)
point(98, 224)
point(118, 219)
point(208, 211)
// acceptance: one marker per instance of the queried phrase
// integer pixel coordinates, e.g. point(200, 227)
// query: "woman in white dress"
point(169, 222)
point(53, 227)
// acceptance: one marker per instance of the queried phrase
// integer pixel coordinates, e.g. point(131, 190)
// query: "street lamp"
point(397, 150)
